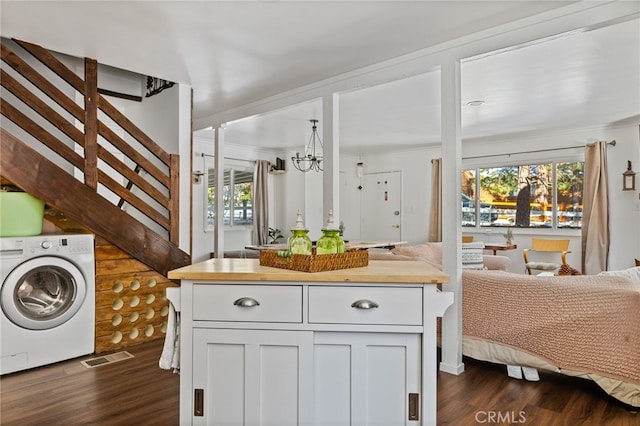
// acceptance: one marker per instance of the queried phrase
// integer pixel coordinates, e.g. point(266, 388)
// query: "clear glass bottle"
point(299, 242)
point(331, 241)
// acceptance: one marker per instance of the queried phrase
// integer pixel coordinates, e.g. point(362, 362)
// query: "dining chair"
point(542, 245)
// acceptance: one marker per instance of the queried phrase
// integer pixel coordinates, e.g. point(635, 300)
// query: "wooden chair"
point(545, 245)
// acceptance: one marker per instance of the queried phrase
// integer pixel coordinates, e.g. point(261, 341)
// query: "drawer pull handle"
point(246, 302)
point(364, 304)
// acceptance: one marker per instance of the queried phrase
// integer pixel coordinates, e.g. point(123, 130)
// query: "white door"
point(252, 377)
point(381, 214)
point(365, 379)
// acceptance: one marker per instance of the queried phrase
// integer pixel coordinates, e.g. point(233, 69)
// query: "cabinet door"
point(365, 378)
point(252, 377)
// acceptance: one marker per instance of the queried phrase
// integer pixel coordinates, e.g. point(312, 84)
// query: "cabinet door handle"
point(364, 304)
point(246, 302)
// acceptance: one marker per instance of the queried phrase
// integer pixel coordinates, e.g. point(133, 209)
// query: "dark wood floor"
point(137, 392)
point(130, 392)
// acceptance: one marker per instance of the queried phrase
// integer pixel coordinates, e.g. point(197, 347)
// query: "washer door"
point(43, 293)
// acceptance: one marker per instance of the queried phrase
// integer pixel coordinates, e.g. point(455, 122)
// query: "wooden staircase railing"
point(75, 139)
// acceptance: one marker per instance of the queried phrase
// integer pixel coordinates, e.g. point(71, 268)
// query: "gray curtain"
point(260, 234)
point(595, 210)
point(435, 217)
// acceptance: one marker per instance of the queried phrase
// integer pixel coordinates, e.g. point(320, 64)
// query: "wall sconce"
point(197, 176)
point(629, 178)
point(360, 169)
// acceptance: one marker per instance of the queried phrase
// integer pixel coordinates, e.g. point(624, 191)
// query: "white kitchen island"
point(268, 346)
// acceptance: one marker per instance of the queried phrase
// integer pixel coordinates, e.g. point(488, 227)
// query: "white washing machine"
point(47, 298)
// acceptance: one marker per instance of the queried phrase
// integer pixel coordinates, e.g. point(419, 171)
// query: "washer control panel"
point(70, 244)
point(16, 247)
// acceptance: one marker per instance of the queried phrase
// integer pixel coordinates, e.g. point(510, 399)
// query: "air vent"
point(106, 359)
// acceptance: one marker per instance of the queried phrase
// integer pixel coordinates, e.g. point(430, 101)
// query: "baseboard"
point(452, 369)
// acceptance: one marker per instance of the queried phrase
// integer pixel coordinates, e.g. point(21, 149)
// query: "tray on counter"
point(315, 262)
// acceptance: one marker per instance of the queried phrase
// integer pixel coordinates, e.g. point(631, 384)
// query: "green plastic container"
point(21, 214)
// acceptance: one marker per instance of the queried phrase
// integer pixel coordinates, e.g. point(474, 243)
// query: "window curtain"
point(595, 210)
point(260, 234)
point(435, 216)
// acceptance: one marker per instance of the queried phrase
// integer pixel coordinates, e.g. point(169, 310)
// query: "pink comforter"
point(581, 323)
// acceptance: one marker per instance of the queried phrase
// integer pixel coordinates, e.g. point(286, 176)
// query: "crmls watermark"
point(501, 417)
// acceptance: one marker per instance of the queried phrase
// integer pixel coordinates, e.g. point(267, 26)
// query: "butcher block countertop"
point(378, 271)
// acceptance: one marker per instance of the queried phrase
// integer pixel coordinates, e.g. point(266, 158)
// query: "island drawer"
point(253, 303)
point(365, 305)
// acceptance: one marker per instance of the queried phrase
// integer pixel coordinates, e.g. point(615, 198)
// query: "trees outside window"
point(237, 194)
point(545, 195)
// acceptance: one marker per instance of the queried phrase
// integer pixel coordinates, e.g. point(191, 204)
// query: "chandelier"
point(311, 160)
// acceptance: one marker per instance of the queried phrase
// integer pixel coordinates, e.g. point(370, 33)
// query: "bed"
point(586, 326)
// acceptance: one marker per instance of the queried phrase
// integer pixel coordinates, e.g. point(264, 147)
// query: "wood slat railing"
point(120, 159)
point(81, 204)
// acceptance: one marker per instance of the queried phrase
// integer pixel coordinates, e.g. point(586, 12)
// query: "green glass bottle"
point(299, 242)
point(331, 241)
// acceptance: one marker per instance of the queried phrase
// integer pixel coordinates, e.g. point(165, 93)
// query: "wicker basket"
point(315, 263)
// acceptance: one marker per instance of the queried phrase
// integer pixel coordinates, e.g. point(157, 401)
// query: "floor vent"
point(106, 359)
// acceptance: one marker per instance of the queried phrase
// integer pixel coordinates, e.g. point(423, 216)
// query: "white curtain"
point(260, 233)
point(435, 217)
point(595, 211)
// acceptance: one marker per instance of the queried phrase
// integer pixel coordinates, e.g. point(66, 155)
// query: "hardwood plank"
point(135, 156)
point(134, 391)
point(133, 177)
point(91, 123)
point(133, 130)
point(174, 199)
point(137, 202)
point(53, 64)
point(28, 72)
point(38, 132)
point(120, 266)
point(485, 389)
point(41, 108)
point(109, 251)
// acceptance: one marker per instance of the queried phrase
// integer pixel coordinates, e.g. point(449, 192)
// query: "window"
point(547, 195)
point(237, 197)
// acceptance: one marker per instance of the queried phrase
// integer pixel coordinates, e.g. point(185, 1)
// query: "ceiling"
point(235, 53)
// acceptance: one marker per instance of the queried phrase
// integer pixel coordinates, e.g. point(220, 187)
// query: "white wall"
point(415, 167)
point(350, 198)
point(297, 190)
point(625, 211)
point(202, 241)
point(166, 119)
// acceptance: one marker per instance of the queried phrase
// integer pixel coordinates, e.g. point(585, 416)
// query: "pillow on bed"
point(431, 252)
point(632, 273)
point(472, 255)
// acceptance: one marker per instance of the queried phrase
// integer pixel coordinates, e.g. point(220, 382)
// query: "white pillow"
point(632, 273)
point(472, 255)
